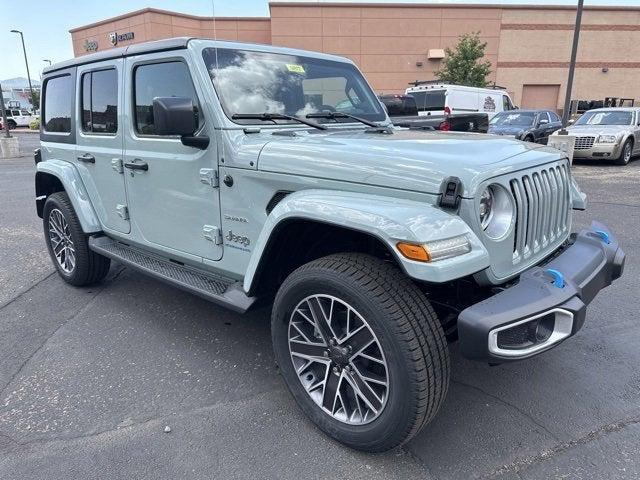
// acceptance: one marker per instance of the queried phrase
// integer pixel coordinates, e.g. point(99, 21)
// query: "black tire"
point(11, 124)
point(409, 334)
point(529, 138)
point(89, 267)
point(625, 153)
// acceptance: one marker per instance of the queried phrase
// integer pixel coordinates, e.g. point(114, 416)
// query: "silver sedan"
point(607, 133)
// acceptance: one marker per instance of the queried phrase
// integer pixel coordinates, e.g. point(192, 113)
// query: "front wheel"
point(625, 153)
point(360, 349)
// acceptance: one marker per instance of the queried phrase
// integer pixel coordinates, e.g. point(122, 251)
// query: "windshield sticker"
point(295, 68)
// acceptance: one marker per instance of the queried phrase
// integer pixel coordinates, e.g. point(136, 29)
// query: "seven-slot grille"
point(542, 201)
point(584, 143)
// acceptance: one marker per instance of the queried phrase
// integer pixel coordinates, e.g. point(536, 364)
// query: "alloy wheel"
point(338, 359)
point(627, 152)
point(61, 242)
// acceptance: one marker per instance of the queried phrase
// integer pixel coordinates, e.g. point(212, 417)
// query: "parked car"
point(607, 133)
point(528, 125)
point(224, 169)
point(434, 98)
point(403, 112)
point(18, 118)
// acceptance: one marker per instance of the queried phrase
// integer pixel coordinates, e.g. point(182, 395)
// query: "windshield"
point(249, 82)
point(429, 101)
point(520, 119)
point(606, 117)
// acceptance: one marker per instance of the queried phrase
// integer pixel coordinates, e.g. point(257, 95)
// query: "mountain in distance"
point(18, 82)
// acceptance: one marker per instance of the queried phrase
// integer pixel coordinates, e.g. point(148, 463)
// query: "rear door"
point(100, 141)
point(174, 203)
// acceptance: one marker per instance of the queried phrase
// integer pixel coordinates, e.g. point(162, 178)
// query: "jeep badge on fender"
point(366, 238)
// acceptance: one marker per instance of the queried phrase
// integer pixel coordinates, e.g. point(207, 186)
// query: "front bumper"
point(554, 295)
point(599, 150)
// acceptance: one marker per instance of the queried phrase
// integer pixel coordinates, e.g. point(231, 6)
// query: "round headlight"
point(495, 211)
point(486, 201)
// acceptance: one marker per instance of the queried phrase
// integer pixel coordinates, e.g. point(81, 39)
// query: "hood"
point(404, 159)
point(597, 129)
point(506, 130)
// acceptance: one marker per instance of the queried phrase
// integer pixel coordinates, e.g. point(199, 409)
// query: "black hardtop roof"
point(135, 49)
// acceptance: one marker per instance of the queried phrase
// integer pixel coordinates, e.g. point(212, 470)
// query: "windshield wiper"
point(271, 117)
point(336, 115)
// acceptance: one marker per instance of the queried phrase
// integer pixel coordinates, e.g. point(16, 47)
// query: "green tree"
point(463, 65)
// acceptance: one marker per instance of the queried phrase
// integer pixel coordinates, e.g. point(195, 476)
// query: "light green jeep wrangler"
point(240, 172)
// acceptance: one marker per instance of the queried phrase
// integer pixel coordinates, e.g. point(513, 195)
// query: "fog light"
point(533, 334)
point(543, 328)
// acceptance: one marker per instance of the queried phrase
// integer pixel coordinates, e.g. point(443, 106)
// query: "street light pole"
point(572, 67)
point(26, 62)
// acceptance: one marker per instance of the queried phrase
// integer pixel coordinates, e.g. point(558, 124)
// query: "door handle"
point(87, 158)
point(136, 164)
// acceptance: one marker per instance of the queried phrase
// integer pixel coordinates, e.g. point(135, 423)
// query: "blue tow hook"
point(604, 236)
point(558, 278)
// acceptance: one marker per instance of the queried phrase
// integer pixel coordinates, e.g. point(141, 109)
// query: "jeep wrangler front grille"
point(542, 201)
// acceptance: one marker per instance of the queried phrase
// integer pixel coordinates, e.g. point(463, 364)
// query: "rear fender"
point(69, 177)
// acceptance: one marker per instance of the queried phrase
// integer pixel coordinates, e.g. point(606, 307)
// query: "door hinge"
point(213, 234)
point(123, 211)
point(116, 164)
point(209, 176)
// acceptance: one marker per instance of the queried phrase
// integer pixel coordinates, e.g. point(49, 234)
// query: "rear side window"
point(170, 79)
point(429, 101)
point(58, 98)
point(554, 117)
point(100, 101)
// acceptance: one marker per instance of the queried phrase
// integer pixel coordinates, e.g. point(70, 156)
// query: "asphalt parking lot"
point(90, 377)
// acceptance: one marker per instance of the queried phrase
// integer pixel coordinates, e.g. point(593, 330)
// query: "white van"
point(440, 99)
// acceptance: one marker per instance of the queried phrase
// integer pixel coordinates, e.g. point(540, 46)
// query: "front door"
point(100, 141)
point(174, 201)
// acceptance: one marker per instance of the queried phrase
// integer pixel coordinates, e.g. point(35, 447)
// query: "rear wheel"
point(68, 245)
point(11, 124)
point(625, 154)
point(360, 349)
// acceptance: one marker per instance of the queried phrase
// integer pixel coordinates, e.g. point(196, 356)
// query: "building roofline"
point(504, 6)
point(164, 12)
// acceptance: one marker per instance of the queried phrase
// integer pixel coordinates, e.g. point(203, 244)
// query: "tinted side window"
point(554, 117)
point(169, 79)
point(100, 101)
point(58, 97)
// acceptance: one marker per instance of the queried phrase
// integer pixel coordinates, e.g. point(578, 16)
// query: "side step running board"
point(223, 291)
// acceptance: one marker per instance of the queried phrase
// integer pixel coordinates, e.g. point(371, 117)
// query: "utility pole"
point(5, 125)
point(26, 62)
point(572, 67)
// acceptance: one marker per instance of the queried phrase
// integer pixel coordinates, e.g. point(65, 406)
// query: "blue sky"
point(46, 23)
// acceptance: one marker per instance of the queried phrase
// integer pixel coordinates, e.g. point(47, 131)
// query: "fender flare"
point(69, 177)
point(389, 219)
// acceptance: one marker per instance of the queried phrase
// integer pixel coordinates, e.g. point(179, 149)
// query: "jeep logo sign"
point(115, 37)
point(90, 45)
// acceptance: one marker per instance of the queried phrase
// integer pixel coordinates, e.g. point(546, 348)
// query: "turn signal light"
point(414, 252)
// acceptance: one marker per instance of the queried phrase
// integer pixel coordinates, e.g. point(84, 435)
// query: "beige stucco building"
point(393, 44)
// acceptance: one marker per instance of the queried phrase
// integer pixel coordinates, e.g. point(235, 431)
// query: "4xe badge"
point(242, 240)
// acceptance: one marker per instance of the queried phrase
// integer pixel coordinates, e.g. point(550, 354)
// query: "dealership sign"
point(115, 37)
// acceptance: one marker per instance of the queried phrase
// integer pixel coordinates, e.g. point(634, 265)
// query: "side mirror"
point(174, 116)
point(543, 121)
point(178, 116)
